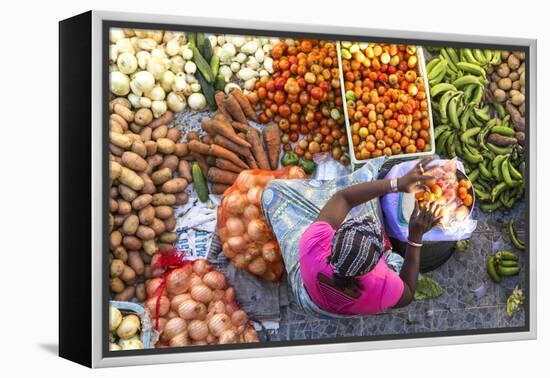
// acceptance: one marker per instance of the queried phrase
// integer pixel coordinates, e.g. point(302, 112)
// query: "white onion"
point(115, 318)
point(129, 326)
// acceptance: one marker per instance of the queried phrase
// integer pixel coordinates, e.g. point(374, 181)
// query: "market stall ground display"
point(266, 108)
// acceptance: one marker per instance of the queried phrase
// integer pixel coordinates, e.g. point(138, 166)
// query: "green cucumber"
point(215, 65)
point(204, 46)
point(207, 90)
point(200, 183)
point(202, 65)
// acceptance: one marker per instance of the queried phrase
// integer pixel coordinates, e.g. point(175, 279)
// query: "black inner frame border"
point(107, 24)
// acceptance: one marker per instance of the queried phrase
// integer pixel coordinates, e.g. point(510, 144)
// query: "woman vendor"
point(345, 266)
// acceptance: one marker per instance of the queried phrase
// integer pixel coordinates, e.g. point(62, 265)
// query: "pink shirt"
point(382, 287)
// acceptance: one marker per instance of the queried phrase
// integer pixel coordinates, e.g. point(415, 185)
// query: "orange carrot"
point(219, 188)
point(248, 110)
point(207, 127)
point(226, 165)
point(272, 139)
point(225, 129)
point(243, 127)
point(219, 176)
point(258, 150)
point(220, 140)
point(201, 160)
point(232, 106)
point(192, 135)
point(219, 97)
point(211, 160)
point(207, 139)
point(217, 151)
point(252, 162)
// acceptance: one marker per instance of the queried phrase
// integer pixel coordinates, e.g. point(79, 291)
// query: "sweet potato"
point(247, 108)
point(164, 119)
point(517, 119)
point(272, 139)
point(216, 175)
point(501, 140)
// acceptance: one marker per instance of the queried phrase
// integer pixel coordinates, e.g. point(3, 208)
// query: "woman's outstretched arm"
point(339, 205)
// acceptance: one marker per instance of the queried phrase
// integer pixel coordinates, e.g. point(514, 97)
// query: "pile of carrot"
point(230, 145)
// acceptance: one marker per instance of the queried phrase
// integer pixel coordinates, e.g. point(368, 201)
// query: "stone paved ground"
point(457, 309)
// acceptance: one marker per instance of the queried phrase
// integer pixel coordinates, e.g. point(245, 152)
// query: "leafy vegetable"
point(514, 301)
point(427, 288)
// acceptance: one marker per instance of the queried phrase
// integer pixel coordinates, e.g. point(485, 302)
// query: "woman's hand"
point(415, 177)
point(422, 220)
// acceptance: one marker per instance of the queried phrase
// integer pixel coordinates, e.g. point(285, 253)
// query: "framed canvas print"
point(234, 189)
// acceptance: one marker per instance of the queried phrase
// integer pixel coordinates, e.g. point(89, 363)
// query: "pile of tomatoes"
point(386, 99)
point(303, 97)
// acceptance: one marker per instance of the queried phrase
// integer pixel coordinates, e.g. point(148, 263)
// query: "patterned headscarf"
point(356, 247)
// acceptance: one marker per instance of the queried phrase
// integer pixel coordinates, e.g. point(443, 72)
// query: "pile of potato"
point(124, 330)
point(148, 176)
point(508, 87)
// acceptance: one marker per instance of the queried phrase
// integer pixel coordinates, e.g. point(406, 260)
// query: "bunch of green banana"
point(503, 263)
point(457, 86)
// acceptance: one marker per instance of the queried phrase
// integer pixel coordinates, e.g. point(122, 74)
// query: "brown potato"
point(130, 225)
point(119, 100)
point(145, 233)
point(115, 239)
point(184, 170)
point(131, 179)
point(164, 212)
point(120, 253)
point(113, 205)
point(146, 215)
point(118, 119)
point(159, 132)
point(158, 226)
point(163, 247)
point(505, 84)
point(141, 201)
point(127, 193)
point(151, 147)
point(139, 148)
point(154, 161)
point(125, 295)
point(134, 127)
point(170, 223)
point(174, 185)
point(173, 134)
point(143, 116)
point(161, 176)
point(135, 262)
point(168, 237)
point(119, 219)
point(499, 95)
point(141, 294)
point(128, 275)
point(145, 257)
point(132, 243)
point(124, 207)
point(116, 284)
point(116, 268)
point(124, 112)
point(134, 161)
point(150, 247)
point(171, 162)
point(113, 192)
point(120, 140)
point(115, 150)
point(181, 149)
point(503, 70)
point(115, 170)
point(145, 134)
point(115, 127)
point(149, 186)
point(513, 62)
point(163, 199)
point(166, 146)
point(182, 198)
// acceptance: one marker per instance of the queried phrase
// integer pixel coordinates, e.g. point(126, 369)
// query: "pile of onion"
point(195, 305)
point(247, 239)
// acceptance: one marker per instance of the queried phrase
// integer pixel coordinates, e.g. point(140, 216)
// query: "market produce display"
point(193, 304)
point(473, 127)
point(229, 113)
point(247, 239)
point(148, 176)
point(302, 96)
point(124, 330)
point(386, 100)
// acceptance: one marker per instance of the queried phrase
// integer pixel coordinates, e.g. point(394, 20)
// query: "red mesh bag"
point(246, 238)
point(192, 303)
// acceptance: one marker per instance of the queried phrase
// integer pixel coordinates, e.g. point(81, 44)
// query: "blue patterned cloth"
point(290, 206)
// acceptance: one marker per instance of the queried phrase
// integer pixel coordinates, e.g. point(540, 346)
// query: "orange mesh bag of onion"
point(246, 237)
point(192, 303)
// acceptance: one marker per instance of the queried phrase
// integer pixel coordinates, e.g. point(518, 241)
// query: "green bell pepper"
point(290, 158)
point(307, 165)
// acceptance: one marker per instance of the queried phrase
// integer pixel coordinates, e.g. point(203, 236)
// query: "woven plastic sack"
point(246, 238)
point(456, 225)
point(192, 303)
